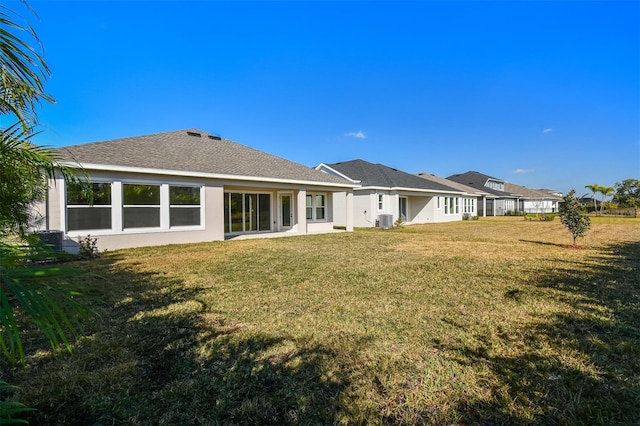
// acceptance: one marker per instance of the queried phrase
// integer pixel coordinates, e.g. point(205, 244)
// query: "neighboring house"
point(534, 200)
point(189, 186)
point(483, 196)
point(386, 194)
point(508, 197)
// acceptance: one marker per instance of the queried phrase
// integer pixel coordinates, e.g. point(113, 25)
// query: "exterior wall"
point(420, 210)
point(365, 210)
point(212, 223)
point(421, 207)
point(540, 206)
point(339, 209)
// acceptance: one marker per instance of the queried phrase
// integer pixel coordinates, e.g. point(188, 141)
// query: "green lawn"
point(493, 321)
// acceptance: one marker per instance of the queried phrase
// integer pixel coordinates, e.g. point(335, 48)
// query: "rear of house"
point(188, 186)
point(386, 195)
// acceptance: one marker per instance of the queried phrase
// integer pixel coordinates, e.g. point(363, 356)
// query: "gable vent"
point(215, 138)
point(198, 135)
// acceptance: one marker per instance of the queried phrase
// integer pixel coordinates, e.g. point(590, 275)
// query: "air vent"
point(197, 135)
point(215, 138)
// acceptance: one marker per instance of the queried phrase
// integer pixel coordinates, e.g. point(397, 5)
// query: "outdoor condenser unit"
point(386, 221)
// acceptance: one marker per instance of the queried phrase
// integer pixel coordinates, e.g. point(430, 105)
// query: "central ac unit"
point(386, 221)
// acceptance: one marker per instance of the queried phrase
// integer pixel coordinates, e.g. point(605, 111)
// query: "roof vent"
point(215, 138)
point(198, 135)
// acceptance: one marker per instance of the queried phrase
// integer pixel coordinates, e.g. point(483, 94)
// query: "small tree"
point(572, 216)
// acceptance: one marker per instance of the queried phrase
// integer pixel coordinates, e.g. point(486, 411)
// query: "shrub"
point(88, 247)
point(398, 222)
point(466, 216)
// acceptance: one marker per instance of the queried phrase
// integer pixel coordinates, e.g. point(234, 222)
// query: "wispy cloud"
point(358, 135)
point(547, 130)
point(523, 171)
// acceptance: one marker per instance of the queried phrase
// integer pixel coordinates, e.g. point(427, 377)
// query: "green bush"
point(540, 217)
point(88, 247)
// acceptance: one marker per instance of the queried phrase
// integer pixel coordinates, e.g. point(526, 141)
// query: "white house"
point(508, 197)
point(386, 194)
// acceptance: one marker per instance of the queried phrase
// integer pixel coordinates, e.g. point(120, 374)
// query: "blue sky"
point(539, 93)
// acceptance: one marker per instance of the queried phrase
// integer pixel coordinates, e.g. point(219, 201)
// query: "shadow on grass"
point(582, 366)
point(543, 243)
point(159, 355)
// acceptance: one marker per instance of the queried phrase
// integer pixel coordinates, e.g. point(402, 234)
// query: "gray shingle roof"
point(193, 151)
point(452, 184)
point(525, 192)
point(379, 175)
point(477, 180)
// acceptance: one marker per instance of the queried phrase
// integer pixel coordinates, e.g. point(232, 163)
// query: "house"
point(534, 200)
point(386, 194)
point(508, 197)
point(189, 186)
point(483, 196)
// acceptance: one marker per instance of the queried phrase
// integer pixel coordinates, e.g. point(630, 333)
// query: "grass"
point(493, 321)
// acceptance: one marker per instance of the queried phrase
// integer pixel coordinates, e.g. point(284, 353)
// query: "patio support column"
point(302, 211)
point(349, 210)
point(484, 206)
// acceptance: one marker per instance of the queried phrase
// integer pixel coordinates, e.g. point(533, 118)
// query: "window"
point(316, 206)
point(141, 206)
point(184, 206)
point(451, 205)
point(380, 202)
point(438, 206)
point(82, 214)
point(457, 205)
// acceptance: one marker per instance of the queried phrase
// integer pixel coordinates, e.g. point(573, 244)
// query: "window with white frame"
point(184, 206)
point(457, 202)
point(86, 212)
point(316, 206)
point(438, 206)
point(380, 202)
point(141, 206)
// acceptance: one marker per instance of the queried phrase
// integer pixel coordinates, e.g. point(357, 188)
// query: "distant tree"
point(628, 193)
point(594, 188)
point(605, 191)
point(572, 216)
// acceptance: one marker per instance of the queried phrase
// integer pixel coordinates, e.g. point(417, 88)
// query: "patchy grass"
point(476, 322)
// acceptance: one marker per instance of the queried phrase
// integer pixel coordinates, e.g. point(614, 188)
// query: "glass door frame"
point(281, 211)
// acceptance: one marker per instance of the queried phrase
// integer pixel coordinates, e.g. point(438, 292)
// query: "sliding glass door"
point(247, 212)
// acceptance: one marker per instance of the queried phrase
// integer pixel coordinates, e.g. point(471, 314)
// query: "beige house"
point(189, 186)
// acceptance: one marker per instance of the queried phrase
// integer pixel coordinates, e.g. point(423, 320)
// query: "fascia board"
point(126, 169)
point(342, 175)
point(426, 191)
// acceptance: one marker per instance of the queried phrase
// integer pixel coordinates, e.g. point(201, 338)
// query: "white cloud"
point(523, 171)
point(547, 130)
point(358, 135)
